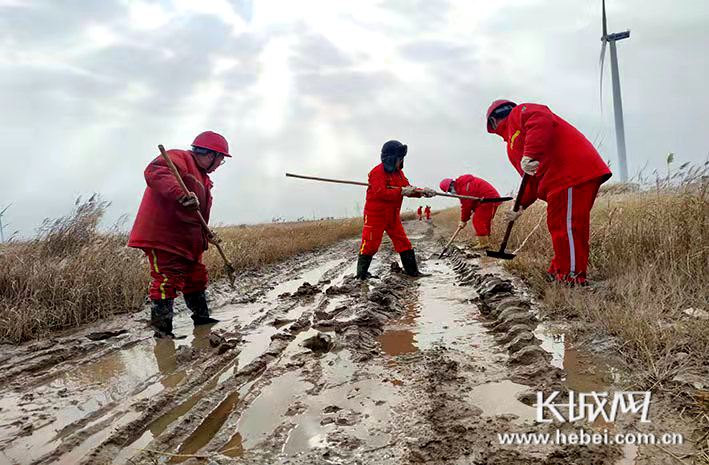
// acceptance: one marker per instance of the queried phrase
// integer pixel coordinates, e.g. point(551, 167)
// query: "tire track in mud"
point(311, 366)
point(44, 418)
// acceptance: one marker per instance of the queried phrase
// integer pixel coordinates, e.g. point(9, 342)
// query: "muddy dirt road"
point(308, 366)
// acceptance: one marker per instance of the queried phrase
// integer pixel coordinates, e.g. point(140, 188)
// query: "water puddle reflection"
point(501, 399)
point(209, 427)
point(439, 315)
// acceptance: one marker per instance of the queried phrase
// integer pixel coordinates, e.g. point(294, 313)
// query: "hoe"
point(501, 253)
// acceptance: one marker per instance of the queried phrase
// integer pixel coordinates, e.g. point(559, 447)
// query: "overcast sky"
point(89, 88)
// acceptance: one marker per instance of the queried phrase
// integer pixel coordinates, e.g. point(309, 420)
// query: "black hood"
point(393, 151)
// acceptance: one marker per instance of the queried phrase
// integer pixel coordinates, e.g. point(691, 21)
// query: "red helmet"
point(494, 106)
point(212, 141)
point(446, 184)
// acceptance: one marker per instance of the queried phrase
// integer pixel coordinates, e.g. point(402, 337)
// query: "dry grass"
point(68, 275)
point(73, 274)
point(255, 246)
point(649, 261)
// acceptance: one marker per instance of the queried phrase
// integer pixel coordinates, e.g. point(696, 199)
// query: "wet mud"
point(310, 366)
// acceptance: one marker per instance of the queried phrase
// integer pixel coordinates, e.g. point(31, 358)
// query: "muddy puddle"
point(500, 398)
point(439, 314)
point(391, 371)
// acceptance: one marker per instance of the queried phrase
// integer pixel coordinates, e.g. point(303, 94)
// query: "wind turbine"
point(617, 102)
point(2, 232)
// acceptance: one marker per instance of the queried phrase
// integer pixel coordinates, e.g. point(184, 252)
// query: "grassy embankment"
point(649, 262)
point(73, 274)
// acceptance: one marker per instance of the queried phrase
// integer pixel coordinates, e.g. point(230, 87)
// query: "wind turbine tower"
point(2, 232)
point(611, 39)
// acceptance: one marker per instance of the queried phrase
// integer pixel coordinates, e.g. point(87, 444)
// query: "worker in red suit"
point(471, 186)
point(387, 188)
point(168, 230)
point(427, 210)
point(565, 170)
point(419, 212)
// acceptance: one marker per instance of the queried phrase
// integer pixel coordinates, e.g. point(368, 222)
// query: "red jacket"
point(474, 187)
point(566, 158)
point(419, 211)
point(162, 223)
point(382, 202)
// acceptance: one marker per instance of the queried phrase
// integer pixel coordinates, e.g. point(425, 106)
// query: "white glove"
point(462, 224)
point(406, 191)
point(428, 192)
point(529, 165)
point(512, 215)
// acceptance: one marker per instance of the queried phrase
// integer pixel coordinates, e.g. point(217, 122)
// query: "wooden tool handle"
point(338, 181)
point(455, 234)
point(184, 188)
point(515, 208)
point(357, 183)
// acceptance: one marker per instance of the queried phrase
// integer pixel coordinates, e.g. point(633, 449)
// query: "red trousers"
point(173, 273)
point(373, 231)
point(482, 218)
point(569, 220)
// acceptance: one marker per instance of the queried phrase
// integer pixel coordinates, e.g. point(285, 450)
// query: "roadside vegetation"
point(73, 273)
point(648, 265)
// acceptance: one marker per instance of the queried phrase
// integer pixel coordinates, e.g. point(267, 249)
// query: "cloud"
point(90, 88)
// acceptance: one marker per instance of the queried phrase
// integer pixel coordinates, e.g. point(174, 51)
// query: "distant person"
point(566, 171)
point(472, 186)
point(419, 212)
point(387, 188)
point(168, 231)
point(428, 213)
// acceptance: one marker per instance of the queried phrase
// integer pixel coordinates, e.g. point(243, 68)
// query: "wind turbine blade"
point(602, 63)
point(605, 26)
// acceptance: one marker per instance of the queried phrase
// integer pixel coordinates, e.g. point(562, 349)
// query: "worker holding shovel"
point(387, 188)
point(168, 228)
point(470, 185)
point(563, 168)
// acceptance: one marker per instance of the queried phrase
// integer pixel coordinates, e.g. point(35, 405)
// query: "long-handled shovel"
point(357, 183)
point(518, 201)
point(228, 267)
point(445, 249)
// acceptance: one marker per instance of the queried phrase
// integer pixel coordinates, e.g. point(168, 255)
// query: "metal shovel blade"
point(500, 254)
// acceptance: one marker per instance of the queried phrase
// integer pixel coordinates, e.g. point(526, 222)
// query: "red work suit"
point(484, 212)
point(428, 213)
point(382, 211)
point(170, 235)
point(419, 213)
point(569, 175)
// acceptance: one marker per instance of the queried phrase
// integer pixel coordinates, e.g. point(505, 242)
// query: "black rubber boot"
point(161, 317)
point(408, 260)
point(197, 302)
point(363, 262)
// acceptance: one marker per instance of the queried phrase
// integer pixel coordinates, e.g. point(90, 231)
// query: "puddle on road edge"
point(584, 371)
